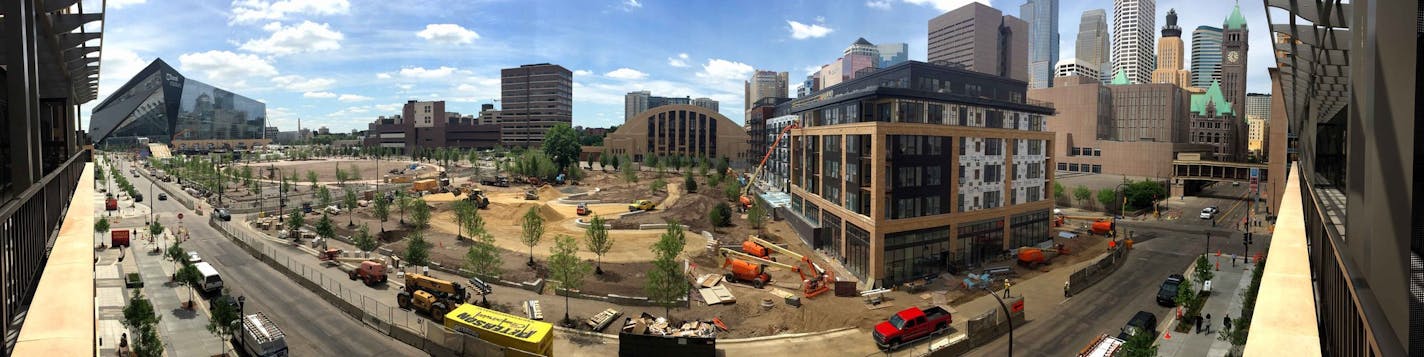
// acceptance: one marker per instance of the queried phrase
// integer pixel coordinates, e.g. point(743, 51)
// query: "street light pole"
point(1006, 316)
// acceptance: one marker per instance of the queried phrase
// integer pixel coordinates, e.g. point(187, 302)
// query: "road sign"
point(180, 216)
point(1255, 172)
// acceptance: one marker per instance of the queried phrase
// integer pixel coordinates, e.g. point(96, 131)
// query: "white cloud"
point(878, 4)
point(304, 37)
point(319, 95)
point(582, 72)
point(802, 31)
point(223, 68)
point(945, 5)
point(353, 98)
point(297, 83)
point(119, 4)
point(679, 61)
point(383, 75)
point(117, 66)
point(250, 11)
point(423, 73)
point(630, 5)
point(811, 69)
point(448, 34)
point(626, 74)
point(723, 70)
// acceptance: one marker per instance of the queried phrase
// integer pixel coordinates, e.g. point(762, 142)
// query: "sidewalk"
point(184, 332)
point(110, 298)
point(1227, 285)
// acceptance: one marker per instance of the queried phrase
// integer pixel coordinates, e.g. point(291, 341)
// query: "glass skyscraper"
point(1206, 56)
point(164, 106)
point(1042, 18)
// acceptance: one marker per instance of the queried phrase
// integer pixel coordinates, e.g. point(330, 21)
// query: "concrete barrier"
point(651, 226)
point(1105, 265)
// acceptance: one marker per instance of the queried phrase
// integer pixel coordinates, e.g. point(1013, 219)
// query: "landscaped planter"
point(133, 281)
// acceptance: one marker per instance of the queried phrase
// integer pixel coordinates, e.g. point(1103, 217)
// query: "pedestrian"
point(1199, 324)
point(1226, 322)
point(1065, 289)
point(1208, 323)
point(1007, 284)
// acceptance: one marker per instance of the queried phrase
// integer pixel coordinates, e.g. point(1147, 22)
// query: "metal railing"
point(28, 226)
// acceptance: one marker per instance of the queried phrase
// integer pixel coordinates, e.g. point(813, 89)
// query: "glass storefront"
point(916, 253)
point(979, 241)
point(1030, 228)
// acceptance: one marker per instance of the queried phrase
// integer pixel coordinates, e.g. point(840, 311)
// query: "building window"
point(857, 254)
point(1097, 169)
point(913, 254)
point(1062, 166)
point(978, 241)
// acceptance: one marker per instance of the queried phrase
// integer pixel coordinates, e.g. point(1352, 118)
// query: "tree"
point(1140, 344)
point(323, 197)
point(483, 257)
point(614, 161)
point(533, 231)
point(597, 240)
point(1082, 193)
point(651, 161)
point(223, 321)
point(1202, 270)
point(462, 210)
point(756, 216)
point(1107, 197)
point(688, 184)
point(311, 177)
point(575, 173)
point(657, 185)
point(363, 239)
point(561, 144)
point(324, 228)
point(382, 211)
point(474, 224)
point(155, 228)
point(341, 176)
point(733, 191)
point(419, 213)
point(191, 277)
point(1188, 299)
point(294, 222)
point(404, 202)
point(417, 250)
point(351, 203)
point(722, 165)
point(629, 174)
point(566, 268)
point(665, 284)
point(101, 226)
point(1144, 193)
point(603, 163)
point(721, 215)
point(140, 317)
point(177, 254)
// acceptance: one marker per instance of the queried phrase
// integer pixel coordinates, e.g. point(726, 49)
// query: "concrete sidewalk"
point(1227, 285)
point(184, 332)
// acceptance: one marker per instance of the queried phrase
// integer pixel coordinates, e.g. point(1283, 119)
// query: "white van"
point(211, 281)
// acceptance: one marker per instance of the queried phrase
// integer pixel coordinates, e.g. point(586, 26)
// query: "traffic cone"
point(1167, 336)
point(1218, 252)
point(1218, 265)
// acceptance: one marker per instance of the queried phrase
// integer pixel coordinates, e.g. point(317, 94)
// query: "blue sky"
point(341, 63)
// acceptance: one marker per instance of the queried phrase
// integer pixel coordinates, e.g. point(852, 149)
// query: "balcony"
point(1285, 322)
point(53, 266)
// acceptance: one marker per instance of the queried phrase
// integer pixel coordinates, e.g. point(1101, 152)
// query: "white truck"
point(260, 337)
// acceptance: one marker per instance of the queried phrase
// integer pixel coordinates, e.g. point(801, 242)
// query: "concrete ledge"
point(1284, 322)
point(61, 321)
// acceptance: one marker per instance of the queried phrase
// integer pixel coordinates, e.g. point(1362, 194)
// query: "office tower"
point(863, 47)
point(1258, 105)
point(1206, 56)
point(634, 103)
point(1133, 22)
point(1169, 55)
point(535, 97)
point(981, 39)
point(705, 103)
point(1233, 59)
point(764, 84)
point(1092, 45)
point(1042, 18)
point(1076, 67)
point(893, 53)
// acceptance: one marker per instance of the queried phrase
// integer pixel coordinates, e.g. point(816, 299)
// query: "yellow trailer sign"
point(503, 329)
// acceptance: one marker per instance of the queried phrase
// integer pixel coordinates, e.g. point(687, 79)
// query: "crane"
point(746, 198)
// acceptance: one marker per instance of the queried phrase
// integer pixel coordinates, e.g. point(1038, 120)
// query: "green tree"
point(756, 216)
point(1106, 197)
point(651, 161)
point(404, 202)
point(597, 240)
point(629, 174)
point(1202, 270)
point(721, 215)
point(657, 185)
point(190, 277)
point(722, 165)
point(462, 209)
point(382, 211)
point(363, 239)
point(1189, 300)
point(603, 163)
point(483, 257)
point(533, 231)
point(614, 161)
point(733, 191)
point(223, 322)
point(566, 268)
point(341, 176)
point(1082, 194)
point(324, 227)
point(155, 228)
point(139, 312)
point(1144, 193)
point(1140, 344)
point(474, 224)
point(323, 198)
point(562, 145)
point(311, 177)
point(294, 223)
point(688, 184)
point(351, 203)
point(101, 226)
point(665, 284)
point(417, 250)
point(177, 255)
point(419, 213)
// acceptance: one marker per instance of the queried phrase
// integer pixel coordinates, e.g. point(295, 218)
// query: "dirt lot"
point(326, 169)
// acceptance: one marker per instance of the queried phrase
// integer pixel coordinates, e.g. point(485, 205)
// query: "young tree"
point(665, 284)
point(140, 317)
point(101, 226)
point(324, 228)
point(1106, 197)
point(474, 224)
point(323, 198)
point(566, 268)
point(561, 144)
point(417, 250)
point(1188, 299)
point(382, 211)
point(688, 184)
point(363, 239)
point(603, 163)
point(351, 203)
point(155, 228)
point(178, 255)
point(404, 202)
point(597, 240)
point(311, 177)
point(1082, 194)
point(1202, 270)
point(419, 213)
point(657, 185)
point(463, 209)
point(756, 216)
point(223, 322)
point(721, 215)
point(483, 257)
point(629, 174)
point(341, 176)
point(614, 161)
point(189, 276)
point(294, 223)
point(533, 231)
point(651, 161)
point(733, 191)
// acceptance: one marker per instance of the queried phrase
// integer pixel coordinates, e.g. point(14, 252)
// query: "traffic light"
point(1247, 238)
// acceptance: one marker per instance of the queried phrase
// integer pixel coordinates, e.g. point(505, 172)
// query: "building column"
point(22, 77)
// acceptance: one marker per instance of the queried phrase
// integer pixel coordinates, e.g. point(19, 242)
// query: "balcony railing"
point(37, 263)
point(1284, 322)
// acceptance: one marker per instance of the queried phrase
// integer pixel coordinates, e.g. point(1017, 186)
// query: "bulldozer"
point(430, 295)
point(478, 197)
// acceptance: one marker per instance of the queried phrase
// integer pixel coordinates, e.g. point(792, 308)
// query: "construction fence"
point(1084, 278)
point(981, 330)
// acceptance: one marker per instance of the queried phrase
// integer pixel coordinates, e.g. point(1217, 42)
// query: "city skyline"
point(334, 63)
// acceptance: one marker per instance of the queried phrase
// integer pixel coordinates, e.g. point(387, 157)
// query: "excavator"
point(746, 199)
point(749, 268)
point(1100, 225)
point(430, 295)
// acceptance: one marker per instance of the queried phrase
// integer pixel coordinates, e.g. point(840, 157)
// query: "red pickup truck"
point(909, 325)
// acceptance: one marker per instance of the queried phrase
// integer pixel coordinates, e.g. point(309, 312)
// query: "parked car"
point(640, 205)
point(222, 213)
point(1167, 294)
point(194, 258)
point(1209, 212)
point(1142, 322)
point(163, 197)
point(909, 325)
point(138, 197)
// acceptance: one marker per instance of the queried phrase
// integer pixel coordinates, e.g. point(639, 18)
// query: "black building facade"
point(164, 106)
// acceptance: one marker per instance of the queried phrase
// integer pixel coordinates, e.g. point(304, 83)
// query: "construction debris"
point(601, 321)
point(709, 280)
point(533, 311)
point(661, 327)
point(717, 295)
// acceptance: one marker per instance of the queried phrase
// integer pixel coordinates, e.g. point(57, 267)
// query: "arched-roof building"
point(678, 130)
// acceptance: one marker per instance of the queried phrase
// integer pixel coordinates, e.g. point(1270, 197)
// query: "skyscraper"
point(1169, 55)
point(535, 97)
point(1092, 45)
point(1042, 18)
point(863, 47)
point(981, 39)
point(1133, 22)
point(1206, 56)
point(1233, 55)
point(1258, 105)
point(634, 103)
point(892, 53)
point(764, 84)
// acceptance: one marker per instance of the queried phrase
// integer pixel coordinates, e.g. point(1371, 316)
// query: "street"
point(313, 327)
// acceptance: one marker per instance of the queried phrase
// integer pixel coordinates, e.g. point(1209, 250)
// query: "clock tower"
point(1233, 61)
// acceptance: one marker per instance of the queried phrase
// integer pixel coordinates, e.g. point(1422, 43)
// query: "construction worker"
point(1065, 289)
point(1007, 284)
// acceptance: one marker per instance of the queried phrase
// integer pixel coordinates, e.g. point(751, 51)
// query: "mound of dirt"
point(547, 192)
point(690, 210)
point(512, 212)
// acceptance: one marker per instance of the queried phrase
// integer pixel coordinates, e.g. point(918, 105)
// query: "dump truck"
point(910, 325)
point(260, 337)
point(427, 185)
point(497, 181)
point(510, 331)
point(430, 295)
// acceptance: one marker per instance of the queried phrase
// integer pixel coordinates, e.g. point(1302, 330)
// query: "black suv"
point(1167, 295)
point(1142, 322)
point(222, 213)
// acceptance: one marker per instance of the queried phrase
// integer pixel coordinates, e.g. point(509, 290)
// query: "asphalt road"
point(313, 327)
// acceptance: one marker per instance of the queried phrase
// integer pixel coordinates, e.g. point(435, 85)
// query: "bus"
point(211, 281)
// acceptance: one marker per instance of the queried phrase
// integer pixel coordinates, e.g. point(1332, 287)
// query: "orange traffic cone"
point(1168, 336)
point(1218, 252)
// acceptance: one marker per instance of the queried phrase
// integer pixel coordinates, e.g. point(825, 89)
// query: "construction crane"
point(814, 280)
point(746, 198)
